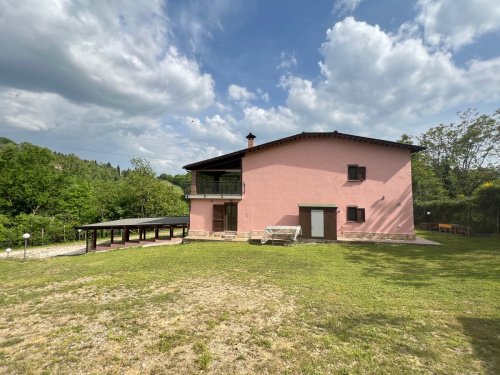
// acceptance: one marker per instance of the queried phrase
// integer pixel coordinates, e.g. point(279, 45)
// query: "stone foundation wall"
point(379, 236)
point(207, 234)
point(345, 234)
point(198, 233)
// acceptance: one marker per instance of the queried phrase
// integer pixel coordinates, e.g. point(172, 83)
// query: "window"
point(355, 213)
point(356, 173)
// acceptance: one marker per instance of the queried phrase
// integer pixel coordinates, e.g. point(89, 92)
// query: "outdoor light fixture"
point(79, 232)
point(8, 250)
point(26, 237)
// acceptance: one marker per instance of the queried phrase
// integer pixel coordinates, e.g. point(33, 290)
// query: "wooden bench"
point(454, 228)
point(445, 228)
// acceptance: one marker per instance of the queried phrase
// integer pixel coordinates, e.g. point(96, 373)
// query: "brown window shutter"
point(361, 215)
point(361, 173)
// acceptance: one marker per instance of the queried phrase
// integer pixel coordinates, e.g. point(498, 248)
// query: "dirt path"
point(47, 251)
point(67, 249)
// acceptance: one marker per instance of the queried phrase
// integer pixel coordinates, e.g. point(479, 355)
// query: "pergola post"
point(86, 241)
point(112, 235)
point(171, 232)
point(94, 239)
point(157, 233)
point(183, 231)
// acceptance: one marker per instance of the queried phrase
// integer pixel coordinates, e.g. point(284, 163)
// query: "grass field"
point(224, 308)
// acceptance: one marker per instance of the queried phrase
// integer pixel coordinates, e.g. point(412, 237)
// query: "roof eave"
point(241, 153)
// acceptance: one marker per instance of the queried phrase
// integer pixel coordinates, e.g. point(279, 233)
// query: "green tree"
point(30, 179)
point(144, 195)
point(465, 154)
point(181, 180)
point(426, 185)
point(487, 197)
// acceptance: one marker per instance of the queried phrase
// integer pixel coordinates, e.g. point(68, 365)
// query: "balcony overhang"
point(215, 196)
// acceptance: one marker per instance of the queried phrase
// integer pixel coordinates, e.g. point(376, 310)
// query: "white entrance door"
point(317, 223)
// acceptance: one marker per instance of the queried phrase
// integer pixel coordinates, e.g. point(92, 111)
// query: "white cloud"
point(287, 61)
point(215, 130)
point(263, 95)
point(197, 21)
point(456, 23)
point(244, 96)
point(100, 77)
point(345, 6)
point(240, 94)
point(50, 112)
point(92, 130)
point(274, 120)
point(115, 55)
point(375, 83)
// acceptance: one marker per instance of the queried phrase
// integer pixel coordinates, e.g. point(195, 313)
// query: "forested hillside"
point(47, 193)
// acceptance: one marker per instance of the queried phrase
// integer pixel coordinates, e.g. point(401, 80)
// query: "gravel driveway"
point(75, 249)
point(46, 252)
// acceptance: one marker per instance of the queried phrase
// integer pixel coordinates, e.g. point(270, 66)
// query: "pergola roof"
point(138, 222)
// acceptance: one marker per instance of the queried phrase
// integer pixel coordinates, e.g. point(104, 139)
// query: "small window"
point(356, 214)
point(356, 173)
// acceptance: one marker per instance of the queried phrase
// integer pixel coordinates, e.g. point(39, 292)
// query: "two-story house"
point(332, 184)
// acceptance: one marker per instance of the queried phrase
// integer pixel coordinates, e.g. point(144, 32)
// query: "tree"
point(181, 180)
point(29, 179)
point(465, 154)
point(487, 197)
point(426, 184)
point(143, 195)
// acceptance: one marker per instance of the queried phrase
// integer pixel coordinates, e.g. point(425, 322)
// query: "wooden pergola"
point(143, 225)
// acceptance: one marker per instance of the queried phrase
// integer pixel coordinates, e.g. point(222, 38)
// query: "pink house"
point(332, 184)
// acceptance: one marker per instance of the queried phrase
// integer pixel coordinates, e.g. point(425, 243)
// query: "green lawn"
point(239, 308)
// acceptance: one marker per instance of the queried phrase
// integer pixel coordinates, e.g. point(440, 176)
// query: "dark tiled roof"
point(239, 154)
point(138, 222)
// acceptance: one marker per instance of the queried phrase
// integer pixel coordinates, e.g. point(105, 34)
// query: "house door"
point(225, 217)
point(231, 217)
point(317, 223)
point(218, 218)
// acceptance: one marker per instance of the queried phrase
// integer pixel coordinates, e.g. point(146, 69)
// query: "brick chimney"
point(250, 138)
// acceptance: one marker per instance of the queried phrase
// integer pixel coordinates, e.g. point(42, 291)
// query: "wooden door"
point(331, 223)
point(231, 216)
point(218, 218)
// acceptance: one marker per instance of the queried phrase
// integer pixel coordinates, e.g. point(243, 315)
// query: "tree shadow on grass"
point(460, 258)
point(380, 329)
point(484, 336)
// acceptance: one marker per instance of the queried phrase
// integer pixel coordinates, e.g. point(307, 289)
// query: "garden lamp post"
point(8, 250)
point(26, 237)
point(79, 232)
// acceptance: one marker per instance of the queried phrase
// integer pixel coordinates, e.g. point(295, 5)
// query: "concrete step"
point(229, 236)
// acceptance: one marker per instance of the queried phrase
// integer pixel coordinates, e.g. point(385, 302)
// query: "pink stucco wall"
point(201, 212)
point(309, 170)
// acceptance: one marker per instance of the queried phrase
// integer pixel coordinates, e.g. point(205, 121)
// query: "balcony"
point(216, 189)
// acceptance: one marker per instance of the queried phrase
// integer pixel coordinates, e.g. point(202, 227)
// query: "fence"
point(464, 213)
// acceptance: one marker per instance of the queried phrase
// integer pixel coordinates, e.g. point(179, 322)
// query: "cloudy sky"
point(179, 81)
